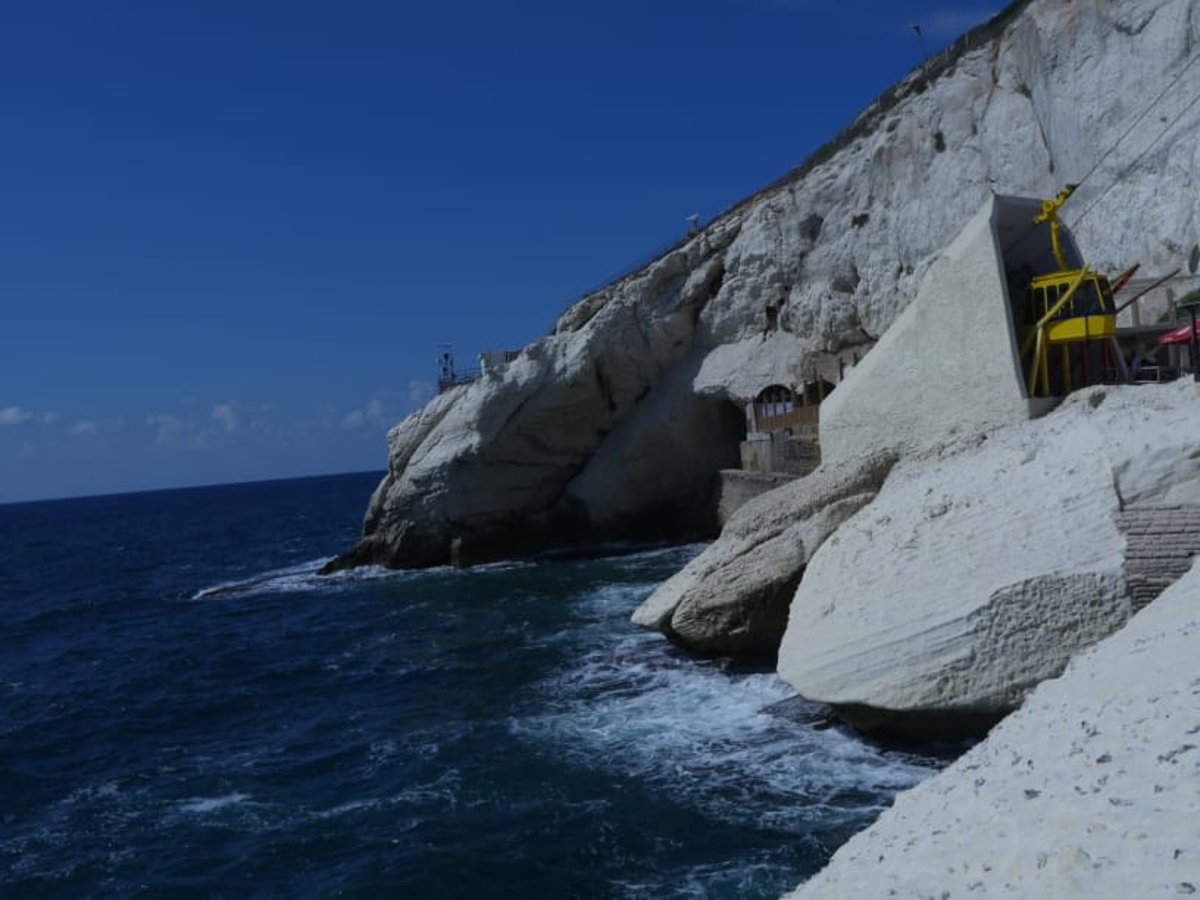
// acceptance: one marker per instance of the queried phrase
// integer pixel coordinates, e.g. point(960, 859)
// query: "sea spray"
point(195, 710)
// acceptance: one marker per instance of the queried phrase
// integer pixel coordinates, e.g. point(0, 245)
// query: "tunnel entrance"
point(782, 428)
point(779, 436)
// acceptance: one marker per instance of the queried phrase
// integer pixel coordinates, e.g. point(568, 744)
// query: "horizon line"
point(188, 487)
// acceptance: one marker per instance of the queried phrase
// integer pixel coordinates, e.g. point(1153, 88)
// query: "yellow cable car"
point(1065, 307)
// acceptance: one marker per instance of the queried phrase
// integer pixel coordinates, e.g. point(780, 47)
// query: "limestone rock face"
point(979, 570)
point(733, 598)
point(1089, 790)
point(553, 448)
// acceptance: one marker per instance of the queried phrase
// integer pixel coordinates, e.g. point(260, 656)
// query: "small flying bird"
point(920, 37)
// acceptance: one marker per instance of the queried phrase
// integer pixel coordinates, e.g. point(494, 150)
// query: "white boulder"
point(733, 598)
point(979, 570)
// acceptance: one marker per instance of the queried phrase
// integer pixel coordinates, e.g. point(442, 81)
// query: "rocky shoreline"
point(930, 595)
point(953, 551)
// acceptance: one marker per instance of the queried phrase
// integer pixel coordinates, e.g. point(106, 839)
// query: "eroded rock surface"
point(979, 570)
point(545, 453)
point(1089, 790)
point(733, 598)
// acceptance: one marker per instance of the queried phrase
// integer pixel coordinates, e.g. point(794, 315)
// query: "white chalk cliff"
point(615, 424)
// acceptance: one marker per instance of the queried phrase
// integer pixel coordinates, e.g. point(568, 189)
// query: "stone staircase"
point(1161, 541)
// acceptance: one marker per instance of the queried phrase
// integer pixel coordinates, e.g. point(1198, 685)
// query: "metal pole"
point(1192, 346)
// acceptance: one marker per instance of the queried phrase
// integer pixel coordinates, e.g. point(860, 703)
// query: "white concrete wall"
point(947, 366)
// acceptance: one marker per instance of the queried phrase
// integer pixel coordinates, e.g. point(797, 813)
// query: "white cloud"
point(224, 413)
point(168, 429)
point(374, 410)
point(14, 415)
point(187, 433)
point(95, 426)
point(49, 418)
point(419, 393)
point(385, 408)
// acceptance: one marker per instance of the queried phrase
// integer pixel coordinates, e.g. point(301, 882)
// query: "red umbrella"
point(1181, 335)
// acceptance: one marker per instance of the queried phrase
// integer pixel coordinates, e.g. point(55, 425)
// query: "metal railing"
point(454, 379)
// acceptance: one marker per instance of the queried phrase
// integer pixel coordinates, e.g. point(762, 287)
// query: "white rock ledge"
point(978, 571)
point(1092, 789)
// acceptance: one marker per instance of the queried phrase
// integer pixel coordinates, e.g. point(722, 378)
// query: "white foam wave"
point(737, 878)
point(277, 581)
point(439, 793)
point(342, 809)
point(609, 605)
point(304, 577)
point(502, 565)
point(635, 707)
point(301, 577)
point(203, 805)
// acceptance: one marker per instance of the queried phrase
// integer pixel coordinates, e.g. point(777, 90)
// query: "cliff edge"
point(615, 425)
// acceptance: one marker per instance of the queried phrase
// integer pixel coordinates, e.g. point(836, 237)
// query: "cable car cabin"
point(1073, 310)
point(1088, 314)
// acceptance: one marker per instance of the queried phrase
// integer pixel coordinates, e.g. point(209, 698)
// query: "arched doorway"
point(773, 408)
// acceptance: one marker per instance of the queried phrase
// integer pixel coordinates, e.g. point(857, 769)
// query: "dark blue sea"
point(187, 709)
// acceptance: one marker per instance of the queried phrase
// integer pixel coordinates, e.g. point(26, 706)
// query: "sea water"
point(188, 709)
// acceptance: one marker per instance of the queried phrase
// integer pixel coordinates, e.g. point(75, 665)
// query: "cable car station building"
point(1007, 320)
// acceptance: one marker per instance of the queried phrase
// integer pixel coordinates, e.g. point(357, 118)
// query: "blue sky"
point(233, 234)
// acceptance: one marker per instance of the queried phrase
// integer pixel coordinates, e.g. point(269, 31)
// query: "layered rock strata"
point(1161, 540)
point(616, 424)
point(1090, 790)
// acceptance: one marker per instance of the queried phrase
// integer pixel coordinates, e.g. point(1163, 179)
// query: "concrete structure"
point(949, 365)
point(738, 487)
point(494, 361)
point(782, 442)
point(779, 452)
point(782, 433)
